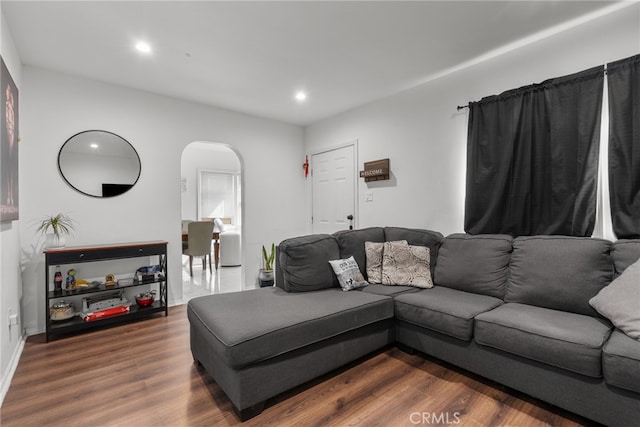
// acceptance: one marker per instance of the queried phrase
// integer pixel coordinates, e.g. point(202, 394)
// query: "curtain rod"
point(462, 107)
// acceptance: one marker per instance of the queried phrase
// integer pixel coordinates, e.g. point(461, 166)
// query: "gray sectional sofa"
point(515, 311)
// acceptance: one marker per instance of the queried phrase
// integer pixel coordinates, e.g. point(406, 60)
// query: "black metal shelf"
point(101, 288)
point(76, 323)
point(80, 254)
point(98, 253)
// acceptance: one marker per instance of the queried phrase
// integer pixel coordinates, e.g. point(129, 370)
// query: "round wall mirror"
point(99, 163)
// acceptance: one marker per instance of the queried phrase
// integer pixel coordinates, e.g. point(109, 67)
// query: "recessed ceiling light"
point(301, 96)
point(93, 145)
point(143, 47)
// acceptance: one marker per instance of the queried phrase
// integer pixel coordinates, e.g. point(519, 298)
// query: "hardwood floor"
point(142, 374)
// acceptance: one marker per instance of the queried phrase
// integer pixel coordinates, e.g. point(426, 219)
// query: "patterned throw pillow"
point(403, 264)
point(348, 273)
point(373, 252)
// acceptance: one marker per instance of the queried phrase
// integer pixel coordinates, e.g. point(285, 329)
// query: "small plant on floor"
point(268, 258)
point(265, 277)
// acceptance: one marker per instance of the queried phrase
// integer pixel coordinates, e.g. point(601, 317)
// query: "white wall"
point(56, 106)
point(10, 277)
point(425, 137)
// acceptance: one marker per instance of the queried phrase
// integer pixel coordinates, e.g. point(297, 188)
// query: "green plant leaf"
point(268, 258)
point(59, 224)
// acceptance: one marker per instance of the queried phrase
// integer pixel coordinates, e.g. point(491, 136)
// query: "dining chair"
point(185, 225)
point(185, 230)
point(199, 234)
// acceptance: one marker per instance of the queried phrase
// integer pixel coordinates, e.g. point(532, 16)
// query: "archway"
point(211, 187)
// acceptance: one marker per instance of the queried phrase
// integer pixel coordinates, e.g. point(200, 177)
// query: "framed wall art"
point(9, 207)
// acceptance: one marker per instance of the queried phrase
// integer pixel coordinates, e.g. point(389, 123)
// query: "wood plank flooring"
point(142, 374)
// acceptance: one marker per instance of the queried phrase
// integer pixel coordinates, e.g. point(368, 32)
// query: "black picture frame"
point(9, 200)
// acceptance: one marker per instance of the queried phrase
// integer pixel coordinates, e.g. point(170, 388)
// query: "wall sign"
point(377, 170)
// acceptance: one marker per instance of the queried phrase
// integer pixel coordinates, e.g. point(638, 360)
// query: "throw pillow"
point(348, 273)
point(373, 252)
point(620, 301)
point(404, 264)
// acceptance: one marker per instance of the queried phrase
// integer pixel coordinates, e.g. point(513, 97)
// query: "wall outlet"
point(368, 196)
point(13, 319)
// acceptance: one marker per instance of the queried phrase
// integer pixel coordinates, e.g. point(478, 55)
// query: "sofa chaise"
point(514, 310)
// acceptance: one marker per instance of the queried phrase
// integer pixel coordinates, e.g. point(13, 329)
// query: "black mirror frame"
point(93, 195)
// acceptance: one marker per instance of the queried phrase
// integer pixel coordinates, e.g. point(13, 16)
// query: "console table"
point(73, 255)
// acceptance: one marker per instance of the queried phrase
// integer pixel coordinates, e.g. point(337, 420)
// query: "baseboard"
point(11, 368)
point(34, 331)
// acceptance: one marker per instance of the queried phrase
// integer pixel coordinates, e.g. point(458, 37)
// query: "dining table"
point(216, 245)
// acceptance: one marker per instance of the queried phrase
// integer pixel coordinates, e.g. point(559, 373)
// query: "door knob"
point(350, 218)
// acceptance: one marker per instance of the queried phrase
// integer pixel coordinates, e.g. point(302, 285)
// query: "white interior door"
point(333, 181)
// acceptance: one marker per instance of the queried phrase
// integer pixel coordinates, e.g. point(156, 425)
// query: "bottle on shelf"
point(57, 281)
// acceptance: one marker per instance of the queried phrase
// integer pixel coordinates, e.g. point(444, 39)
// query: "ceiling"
point(253, 56)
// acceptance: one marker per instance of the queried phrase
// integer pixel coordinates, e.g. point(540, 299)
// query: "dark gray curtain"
point(532, 158)
point(624, 146)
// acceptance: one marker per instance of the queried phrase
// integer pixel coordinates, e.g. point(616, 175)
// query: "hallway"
point(203, 282)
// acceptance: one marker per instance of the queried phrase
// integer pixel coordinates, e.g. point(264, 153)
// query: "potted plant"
point(265, 277)
point(59, 225)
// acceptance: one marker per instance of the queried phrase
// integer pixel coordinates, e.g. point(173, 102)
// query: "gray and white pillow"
point(620, 301)
point(348, 274)
point(404, 264)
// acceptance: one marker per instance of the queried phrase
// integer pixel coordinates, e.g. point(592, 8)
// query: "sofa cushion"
point(351, 243)
point(625, 252)
point(414, 236)
point(565, 340)
point(621, 362)
point(444, 310)
point(404, 264)
point(558, 272)
point(477, 264)
point(620, 301)
point(390, 291)
point(305, 262)
point(274, 328)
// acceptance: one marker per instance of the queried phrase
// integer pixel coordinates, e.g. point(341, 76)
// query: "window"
point(219, 195)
